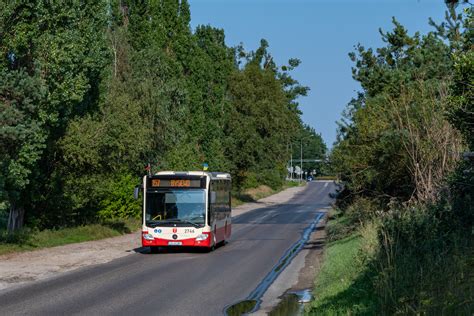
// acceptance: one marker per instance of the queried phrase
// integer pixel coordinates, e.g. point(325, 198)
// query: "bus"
point(190, 209)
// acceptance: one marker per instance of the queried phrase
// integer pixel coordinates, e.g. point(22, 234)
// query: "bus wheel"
point(213, 247)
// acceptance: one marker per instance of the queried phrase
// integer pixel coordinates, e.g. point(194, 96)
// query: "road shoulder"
point(300, 273)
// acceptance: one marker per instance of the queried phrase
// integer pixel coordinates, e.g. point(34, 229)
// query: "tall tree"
point(398, 143)
point(59, 46)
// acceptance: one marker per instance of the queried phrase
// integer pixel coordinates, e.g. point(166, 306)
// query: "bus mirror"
point(136, 192)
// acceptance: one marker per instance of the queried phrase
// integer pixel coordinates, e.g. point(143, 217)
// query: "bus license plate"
point(174, 243)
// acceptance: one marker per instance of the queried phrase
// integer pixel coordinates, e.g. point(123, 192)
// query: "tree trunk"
point(15, 218)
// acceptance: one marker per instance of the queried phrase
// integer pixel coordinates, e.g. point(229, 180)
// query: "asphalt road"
point(178, 282)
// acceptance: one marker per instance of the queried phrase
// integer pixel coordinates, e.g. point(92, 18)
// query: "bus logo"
point(175, 230)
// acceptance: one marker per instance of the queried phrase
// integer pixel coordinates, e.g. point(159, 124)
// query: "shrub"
point(119, 202)
point(362, 210)
point(21, 236)
point(273, 178)
point(423, 263)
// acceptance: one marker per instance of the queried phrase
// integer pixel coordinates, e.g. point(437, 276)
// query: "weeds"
point(410, 261)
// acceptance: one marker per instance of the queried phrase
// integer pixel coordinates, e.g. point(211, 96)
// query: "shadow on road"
point(171, 250)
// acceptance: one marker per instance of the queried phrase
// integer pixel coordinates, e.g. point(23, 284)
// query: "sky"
point(320, 33)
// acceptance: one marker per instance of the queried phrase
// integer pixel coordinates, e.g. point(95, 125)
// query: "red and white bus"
point(186, 209)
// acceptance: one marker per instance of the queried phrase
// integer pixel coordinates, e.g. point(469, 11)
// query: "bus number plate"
point(174, 243)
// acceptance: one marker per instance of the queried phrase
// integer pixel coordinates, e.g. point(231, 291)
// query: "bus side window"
point(212, 198)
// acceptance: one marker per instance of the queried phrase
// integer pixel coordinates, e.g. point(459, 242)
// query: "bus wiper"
point(179, 220)
point(153, 223)
point(171, 221)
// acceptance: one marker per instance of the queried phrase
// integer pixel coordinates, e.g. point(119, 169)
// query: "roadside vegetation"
point(344, 284)
point(26, 239)
point(402, 241)
point(90, 95)
point(260, 192)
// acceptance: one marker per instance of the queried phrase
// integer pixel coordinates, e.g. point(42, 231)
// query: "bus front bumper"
point(190, 242)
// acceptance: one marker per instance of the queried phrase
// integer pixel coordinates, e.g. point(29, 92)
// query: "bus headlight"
point(202, 237)
point(148, 236)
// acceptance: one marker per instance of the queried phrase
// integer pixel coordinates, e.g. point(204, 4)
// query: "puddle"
point(304, 296)
point(292, 304)
point(241, 308)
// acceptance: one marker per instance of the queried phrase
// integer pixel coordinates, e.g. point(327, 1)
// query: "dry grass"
point(260, 192)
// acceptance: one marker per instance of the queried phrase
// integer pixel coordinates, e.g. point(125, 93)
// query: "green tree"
point(22, 138)
point(312, 146)
point(263, 121)
point(62, 49)
point(396, 142)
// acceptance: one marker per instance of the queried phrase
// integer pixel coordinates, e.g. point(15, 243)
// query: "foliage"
point(395, 141)
point(461, 112)
point(118, 202)
point(343, 285)
point(22, 138)
point(262, 121)
point(424, 263)
point(309, 145)
point(92, 93)
point(412, 261)
point(398, 149)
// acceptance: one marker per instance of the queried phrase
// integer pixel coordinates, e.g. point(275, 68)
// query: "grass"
point(27, 240)
point(344, 284)
point(260, 192)
point(411, 264)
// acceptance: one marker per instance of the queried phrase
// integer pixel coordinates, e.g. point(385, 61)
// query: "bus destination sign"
point(175, 183)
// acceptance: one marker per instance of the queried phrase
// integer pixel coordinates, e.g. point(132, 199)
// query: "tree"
point(60, 49)
point(263, 121)
point(22, 138)
point(396, 142)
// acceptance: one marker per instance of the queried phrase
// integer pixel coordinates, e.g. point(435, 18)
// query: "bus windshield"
point(175, 206)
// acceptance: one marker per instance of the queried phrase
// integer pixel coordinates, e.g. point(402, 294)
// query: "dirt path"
point(24, 267)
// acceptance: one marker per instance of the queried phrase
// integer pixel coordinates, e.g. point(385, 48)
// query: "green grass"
point(339, 226)
point(27, 240)
point(344, 285)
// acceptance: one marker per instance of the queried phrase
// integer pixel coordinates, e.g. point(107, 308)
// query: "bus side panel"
point(219, 207)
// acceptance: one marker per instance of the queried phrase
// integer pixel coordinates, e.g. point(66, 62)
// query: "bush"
point(250, 181)
point(423, 265)
point(273, 178)
point(362, 210)
point(20, 237)
point(339, 226)
point(119, 202)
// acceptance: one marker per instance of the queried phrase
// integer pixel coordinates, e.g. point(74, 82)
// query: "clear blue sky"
point(319, 32)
